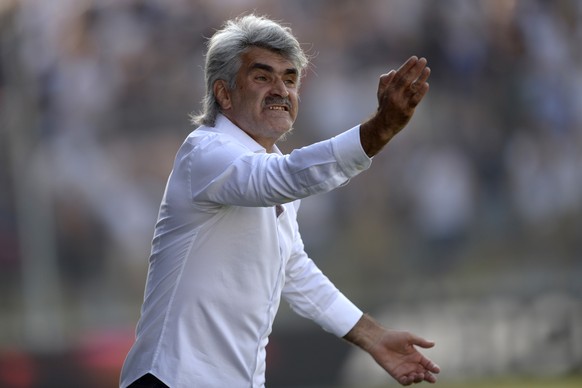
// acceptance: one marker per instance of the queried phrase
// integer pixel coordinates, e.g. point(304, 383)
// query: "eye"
point(261, 78)
point(290, 82)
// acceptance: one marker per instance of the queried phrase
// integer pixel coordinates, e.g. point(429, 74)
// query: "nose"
point(280, 89)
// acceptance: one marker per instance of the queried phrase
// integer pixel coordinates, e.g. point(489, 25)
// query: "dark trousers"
point(147, 381)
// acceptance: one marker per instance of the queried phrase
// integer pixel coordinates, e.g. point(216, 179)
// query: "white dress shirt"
point(221, 257)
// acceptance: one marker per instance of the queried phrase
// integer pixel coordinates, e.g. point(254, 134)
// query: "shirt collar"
point(224, 125)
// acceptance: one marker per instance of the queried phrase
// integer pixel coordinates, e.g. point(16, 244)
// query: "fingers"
point(429, 365)
point(424, 75)
point(414, 378)
point(411, 71)
point(409, 81)
point(429, 377)
point(425, 368)
point(409, 64)
point(417, 377)
point(386, 78)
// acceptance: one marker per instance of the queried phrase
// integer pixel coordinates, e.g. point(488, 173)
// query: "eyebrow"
point(270, 69)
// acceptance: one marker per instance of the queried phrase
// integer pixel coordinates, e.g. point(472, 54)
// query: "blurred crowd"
point(95, 98)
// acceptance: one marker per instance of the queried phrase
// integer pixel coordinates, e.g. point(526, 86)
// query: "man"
point(226, 246)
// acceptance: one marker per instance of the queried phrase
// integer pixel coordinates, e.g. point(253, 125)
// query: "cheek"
point(295, 104)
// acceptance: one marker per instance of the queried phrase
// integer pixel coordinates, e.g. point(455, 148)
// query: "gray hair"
point(225, 47)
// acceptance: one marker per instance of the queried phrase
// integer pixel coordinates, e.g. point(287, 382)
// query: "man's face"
point(264, 102)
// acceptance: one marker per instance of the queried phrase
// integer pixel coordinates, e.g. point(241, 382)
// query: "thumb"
point(387, 78)
point(423, 343)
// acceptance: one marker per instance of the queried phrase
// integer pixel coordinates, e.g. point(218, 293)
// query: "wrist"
point(366, 333)
point(374, 135)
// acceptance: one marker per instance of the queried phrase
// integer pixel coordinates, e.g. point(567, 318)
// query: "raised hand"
point(399, 92)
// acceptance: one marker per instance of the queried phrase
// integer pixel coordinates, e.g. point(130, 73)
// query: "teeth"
point(276, 108)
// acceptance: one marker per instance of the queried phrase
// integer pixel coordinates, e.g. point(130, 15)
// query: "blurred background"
point(466, 230)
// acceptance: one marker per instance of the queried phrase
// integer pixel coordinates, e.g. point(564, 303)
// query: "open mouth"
point(278, 107)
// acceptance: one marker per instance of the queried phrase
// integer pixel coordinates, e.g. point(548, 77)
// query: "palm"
point(396, 353)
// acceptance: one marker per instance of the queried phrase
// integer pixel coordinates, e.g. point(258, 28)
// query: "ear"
point(222, 94)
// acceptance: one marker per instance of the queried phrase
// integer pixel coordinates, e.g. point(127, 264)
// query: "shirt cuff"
point(340, 317)
point(350, 154)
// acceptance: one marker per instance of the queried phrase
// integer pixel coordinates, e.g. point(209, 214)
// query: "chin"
point(286, 134)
